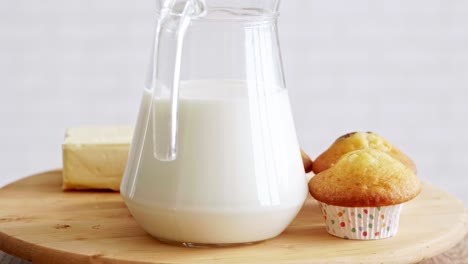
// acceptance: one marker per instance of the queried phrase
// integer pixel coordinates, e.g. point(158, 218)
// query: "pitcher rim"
point(267, 15)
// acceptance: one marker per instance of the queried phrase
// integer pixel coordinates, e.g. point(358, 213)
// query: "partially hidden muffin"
point(362, 194)
point(355, 141)
point(306, 161)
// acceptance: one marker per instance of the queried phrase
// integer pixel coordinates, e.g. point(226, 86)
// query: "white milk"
point(238, 176)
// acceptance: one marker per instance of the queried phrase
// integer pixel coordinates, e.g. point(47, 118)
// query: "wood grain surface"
point(456, 255)
point(41, 223)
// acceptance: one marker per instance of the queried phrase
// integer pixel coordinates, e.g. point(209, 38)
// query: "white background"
point(399, 68)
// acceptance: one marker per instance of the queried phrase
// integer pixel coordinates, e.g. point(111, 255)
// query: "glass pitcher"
point(215, 158)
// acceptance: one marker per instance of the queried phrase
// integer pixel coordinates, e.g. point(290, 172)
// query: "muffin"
point(362, 194)
point(354, 141)
point(306, 161)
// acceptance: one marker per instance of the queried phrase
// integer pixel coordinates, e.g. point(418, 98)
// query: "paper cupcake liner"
point(363, 223)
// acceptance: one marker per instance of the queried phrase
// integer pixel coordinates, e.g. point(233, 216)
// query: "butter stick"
point(95, 157)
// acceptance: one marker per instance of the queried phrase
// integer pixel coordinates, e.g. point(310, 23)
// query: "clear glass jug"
point(215, 158)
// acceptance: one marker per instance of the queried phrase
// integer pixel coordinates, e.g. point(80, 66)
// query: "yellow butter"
point(95, 157)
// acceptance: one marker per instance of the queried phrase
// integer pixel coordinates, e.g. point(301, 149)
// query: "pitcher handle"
point(172, 25)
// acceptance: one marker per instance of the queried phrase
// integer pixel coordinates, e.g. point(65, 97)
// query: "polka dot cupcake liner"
point(362, 223)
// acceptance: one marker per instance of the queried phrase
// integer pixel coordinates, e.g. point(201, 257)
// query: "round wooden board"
point(41, 223)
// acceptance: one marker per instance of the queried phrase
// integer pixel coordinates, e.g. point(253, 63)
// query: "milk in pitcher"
point(234, 178)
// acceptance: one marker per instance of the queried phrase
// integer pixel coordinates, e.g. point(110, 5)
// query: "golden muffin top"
point(354, 141)
point(365, 177)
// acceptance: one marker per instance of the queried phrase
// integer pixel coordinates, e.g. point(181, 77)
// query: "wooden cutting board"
point(41, 223)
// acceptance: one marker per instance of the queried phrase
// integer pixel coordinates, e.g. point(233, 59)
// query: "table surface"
point(458, 254)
